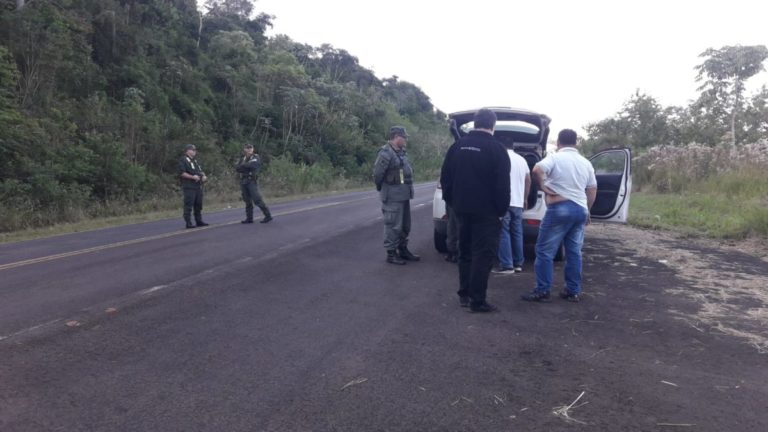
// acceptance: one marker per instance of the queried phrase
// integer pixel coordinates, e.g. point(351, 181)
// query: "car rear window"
point(511, 131)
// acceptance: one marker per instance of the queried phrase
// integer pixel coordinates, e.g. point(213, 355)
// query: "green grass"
point(713, 214)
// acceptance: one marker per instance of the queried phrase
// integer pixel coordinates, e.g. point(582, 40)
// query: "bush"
point(666, 169)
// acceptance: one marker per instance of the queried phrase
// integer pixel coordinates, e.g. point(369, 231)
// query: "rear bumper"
point(530, 231)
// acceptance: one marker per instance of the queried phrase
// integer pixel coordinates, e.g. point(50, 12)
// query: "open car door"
point(613, 170)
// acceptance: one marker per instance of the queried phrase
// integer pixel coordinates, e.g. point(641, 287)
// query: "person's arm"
point(502, 182)
point(527, 190)
point(539, 176)
point(380, 168)
point(446, 176)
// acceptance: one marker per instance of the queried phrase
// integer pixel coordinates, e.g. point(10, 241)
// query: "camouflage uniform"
point(249, 167)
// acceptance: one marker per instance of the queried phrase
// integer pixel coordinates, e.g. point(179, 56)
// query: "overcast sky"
point(577, 60)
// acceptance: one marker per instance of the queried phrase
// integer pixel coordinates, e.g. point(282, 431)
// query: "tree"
point(642, 123)
point(241, 8)
point(726, 70)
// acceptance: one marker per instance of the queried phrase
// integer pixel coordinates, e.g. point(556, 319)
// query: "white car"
point(526, 132)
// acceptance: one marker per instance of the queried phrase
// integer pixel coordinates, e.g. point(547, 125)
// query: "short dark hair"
point(567, 137)
point(249, 145)
point(485, 119)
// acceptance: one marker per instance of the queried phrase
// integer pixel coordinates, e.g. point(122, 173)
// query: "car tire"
point(529, 251)
point(440, 242)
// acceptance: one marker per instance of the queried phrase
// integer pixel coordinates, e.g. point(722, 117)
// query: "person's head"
point(190, 150)
point(485, 119)
point(398, 136)
point(566, 138)
point(248, 149)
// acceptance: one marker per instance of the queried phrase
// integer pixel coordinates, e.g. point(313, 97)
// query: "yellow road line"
point(155, 237)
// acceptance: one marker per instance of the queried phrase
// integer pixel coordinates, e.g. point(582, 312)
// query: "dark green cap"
point(397, 131)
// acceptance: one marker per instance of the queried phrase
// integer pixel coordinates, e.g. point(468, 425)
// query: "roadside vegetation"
point(719, 192)
point(700, 169)
point(98, 97)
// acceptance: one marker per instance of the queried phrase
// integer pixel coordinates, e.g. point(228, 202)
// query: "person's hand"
point(204, 178)
point(196, 177)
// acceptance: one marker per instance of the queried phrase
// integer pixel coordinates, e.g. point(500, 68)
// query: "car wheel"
point(440, 242)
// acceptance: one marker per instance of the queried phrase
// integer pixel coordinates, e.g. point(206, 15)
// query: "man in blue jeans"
point(568, 180)
point(511, 242)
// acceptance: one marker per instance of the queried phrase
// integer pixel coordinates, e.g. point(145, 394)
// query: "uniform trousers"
point(397, 223)
point(251, 196)
point(193, 201)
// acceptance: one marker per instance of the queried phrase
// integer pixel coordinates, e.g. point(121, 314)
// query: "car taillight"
point(533, 222)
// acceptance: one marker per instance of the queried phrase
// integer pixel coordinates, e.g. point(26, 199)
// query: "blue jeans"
point(563, 222)
point(511, 251)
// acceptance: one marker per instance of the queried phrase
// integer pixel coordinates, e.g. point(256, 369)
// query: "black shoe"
point(247, 221)
point(535, 296)
point(482, 308)
point(574, 298)
point(464, 301)
point(189, 225)
point(407, 255)
point(202, 224)
point(451, 258)
point(392, 258)
point(266, 219)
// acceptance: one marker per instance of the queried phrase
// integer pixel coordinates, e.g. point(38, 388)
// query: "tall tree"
point(641, 124)
point(724, 73)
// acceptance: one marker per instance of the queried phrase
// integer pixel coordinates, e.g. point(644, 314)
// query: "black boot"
point(267, 217)
point(407, 255)
point(188, 223)
point(392, 258)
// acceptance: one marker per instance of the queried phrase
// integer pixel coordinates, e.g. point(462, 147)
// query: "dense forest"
point(97, 98)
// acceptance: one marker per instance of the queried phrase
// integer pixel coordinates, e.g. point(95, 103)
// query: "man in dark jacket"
point(249, 167)
point(192, 178)
point(475, 181)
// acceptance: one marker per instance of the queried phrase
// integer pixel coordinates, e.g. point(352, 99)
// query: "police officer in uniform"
point(249, 167)
point(393, 175)
point(192, 178)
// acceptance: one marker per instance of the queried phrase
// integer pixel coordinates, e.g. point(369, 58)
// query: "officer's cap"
point(397, 131)
point(190, 147)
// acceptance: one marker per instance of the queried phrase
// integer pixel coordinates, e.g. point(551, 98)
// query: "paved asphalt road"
point(300, 325)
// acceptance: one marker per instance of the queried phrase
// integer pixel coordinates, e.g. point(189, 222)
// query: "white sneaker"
point(518, 269)
point(504, 271)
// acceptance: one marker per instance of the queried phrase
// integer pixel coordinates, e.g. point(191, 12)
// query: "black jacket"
point(475, 175)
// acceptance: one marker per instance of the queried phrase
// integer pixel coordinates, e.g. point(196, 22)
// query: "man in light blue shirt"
point(568, 180)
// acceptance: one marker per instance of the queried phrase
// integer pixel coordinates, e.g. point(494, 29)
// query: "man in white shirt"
point(511, 241)
point(568, 180)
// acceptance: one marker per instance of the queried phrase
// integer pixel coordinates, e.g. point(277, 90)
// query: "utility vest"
point(393, 174)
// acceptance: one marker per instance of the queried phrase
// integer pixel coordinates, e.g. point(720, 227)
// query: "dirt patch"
point(727, 280)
